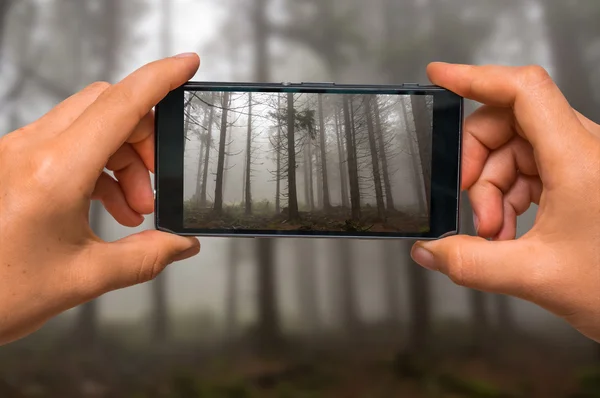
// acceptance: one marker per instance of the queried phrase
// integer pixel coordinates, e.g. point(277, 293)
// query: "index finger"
point(545, 116)
point(107, 124)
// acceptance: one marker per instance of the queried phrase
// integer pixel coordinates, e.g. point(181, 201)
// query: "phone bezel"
point(445, 168)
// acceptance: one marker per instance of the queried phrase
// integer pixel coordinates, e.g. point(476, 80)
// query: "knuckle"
point(9, 143)
point(99, 86)
point(456, 266)
point(150, 267)
point(534, 75)
point(42, 168)
point(122, 95)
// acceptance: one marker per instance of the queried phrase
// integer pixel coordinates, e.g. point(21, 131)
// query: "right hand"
point(526, 145)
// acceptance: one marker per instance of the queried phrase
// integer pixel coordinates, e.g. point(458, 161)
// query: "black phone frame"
point(448, 114)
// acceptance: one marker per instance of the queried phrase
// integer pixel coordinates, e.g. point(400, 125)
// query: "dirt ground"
point(337, 219)
point(526, 369)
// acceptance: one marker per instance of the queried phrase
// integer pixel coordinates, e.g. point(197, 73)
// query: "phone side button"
point(318, 84)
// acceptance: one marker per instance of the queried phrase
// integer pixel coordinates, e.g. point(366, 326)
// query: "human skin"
point(51, 170)
point(525, 145)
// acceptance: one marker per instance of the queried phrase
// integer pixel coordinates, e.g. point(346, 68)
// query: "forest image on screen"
point(307, 162)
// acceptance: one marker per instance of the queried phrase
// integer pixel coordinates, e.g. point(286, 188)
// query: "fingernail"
point(476, 222)
point(424, 258)
point(186, 55)
point(191, 252)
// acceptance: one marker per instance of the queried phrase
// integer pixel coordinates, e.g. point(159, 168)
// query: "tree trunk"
point(231, 298)
point(420, 304)
point(86, 330)
point(506, 320)
point(269, 331)
point(306, 285)
point(352, 164)
point(218, 207)
point(160, 331)
point(480, 322)
point(324, 178)
point(309, 166)
point(572, 74)
point(227, 156)
point(248, 196)
point(207, 151)
point(293, 197)
point(348, 297)
point(87, 324)
point(317, 157)
point(355, 151)
point(389, 198)
point(568, 50)
point(374, 159)
point(261, 50)
point(200, 161)
point(341, 157)
point(268, 315)
point(186, 126)
point(278, 182)
point(424, 140)
point(391, 281)
point(5, 6)
point(305, 174)
point(417, 168)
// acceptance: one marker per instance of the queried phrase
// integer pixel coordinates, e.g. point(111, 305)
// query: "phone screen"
point(313, 162)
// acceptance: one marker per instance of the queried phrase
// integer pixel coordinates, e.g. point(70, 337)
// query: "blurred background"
point(295, 318)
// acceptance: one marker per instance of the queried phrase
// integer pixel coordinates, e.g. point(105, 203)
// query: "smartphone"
point(308, 160)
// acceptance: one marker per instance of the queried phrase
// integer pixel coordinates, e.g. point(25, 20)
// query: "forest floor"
point(527, 368)
point(336, 219)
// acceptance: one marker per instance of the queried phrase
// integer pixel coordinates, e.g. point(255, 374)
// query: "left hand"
point(51, 170)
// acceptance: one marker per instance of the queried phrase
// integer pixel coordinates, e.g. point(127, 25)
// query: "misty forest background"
point(285, 161)
point(295, 318)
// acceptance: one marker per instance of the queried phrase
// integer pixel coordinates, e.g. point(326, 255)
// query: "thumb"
point(505, 267)
point(138, 258)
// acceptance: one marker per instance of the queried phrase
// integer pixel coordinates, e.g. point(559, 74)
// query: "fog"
point(360, 162)
point(245, 295)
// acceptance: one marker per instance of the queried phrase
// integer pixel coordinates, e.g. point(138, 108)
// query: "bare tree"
point(305, 285)
point(218, 206)
point(87, 325)
point(278, 149)
point(207, 150)
point(5, 6)
point(159, 285)
point(383, 155)
point(420, 304)
point(374, 158)
point(423, 133)
point(231, 295)
point(415, 158)
point(308, 158)
point(309, 167)
point(342, 162)
point(292, 195)
point(307, 173)
point(324, 178)
point(352, 164)
point(269, 332)
point(348, 298)
point(202, 138)
point(391, 281)
point(248, 196)
point(568, 44)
